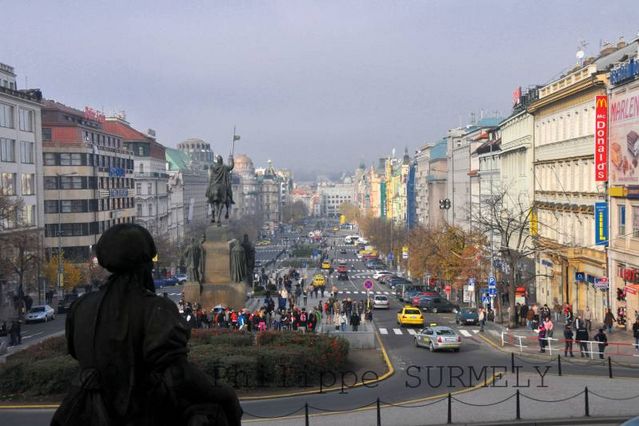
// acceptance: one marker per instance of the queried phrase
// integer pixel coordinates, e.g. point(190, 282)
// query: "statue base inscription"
point(217, 288)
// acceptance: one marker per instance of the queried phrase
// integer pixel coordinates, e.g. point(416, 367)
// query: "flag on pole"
point(236, 138)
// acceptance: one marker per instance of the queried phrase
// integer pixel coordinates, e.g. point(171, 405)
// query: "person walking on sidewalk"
point(542, 338)
point(603, 342)
point(568, 335)
point(635, 333)
point(582, 338)
point(588, 318)
point(482, 319)
point(549, 326)
point(609, 319)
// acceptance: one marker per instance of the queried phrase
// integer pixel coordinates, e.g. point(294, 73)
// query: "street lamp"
point(60, 266)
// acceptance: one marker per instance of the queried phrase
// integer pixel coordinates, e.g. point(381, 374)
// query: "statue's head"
point(219, 159)
point(125, 247)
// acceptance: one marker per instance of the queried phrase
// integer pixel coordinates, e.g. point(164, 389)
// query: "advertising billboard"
point(601, 138)
point(601, 223)
point(624, 137)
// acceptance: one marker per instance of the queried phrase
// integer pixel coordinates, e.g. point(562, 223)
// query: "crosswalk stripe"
point(356, 292)
point(411, 332)
point(386, 293)
point(383, 331)
point(475, 331)
point(348, 292)
point(465, 333)
point(397, 331)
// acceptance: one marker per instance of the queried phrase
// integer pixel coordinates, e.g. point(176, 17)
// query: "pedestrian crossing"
point(413, 332)
point(363, 292)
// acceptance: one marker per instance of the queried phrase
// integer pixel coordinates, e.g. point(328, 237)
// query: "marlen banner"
point(601, 138)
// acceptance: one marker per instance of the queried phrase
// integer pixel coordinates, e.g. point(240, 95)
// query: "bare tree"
point(509, 222)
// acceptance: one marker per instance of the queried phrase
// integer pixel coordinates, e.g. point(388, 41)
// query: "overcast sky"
point(316, 86)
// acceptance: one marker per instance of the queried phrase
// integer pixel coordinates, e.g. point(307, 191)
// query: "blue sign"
point(601, 223)
point(472, 281)
point(492, 291)
point(624, 72)
point(580, 276)
point(116, 172)
point(485, 300)
point(117, 193)
point(390, 256)
point(491, 282)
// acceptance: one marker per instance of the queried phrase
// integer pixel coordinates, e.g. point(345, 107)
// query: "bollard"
point(587, 403)
point(559, 364)
point(609, 367)
point(512, 362)
point(379, 414)
point(306, 422)
point(450, 409)
point(518, 406)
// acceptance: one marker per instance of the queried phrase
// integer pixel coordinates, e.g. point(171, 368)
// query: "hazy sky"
point(316, 86)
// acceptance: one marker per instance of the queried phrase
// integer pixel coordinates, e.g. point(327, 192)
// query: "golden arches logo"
point(602, 102)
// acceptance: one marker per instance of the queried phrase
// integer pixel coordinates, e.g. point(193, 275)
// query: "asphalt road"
point(418, 372)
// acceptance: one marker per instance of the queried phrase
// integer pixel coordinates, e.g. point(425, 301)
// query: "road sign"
point(492, 291)
point(405, 252)
point(601, 283)
point(485, 300)
point(471, 284)
point(390, 256)
point(492, 282)
point(368, 284)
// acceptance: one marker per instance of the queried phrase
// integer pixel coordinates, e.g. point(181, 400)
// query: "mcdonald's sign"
point(601, 138)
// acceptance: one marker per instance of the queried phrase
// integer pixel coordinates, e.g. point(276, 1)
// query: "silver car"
point(40, 313)
point(380, 302)
point(438, 337)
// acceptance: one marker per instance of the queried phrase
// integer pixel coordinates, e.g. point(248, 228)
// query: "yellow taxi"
point(326, 264)
point(319, 280)
point(410, 315)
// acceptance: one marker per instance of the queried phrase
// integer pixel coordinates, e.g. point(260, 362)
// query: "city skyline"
point(335, 80)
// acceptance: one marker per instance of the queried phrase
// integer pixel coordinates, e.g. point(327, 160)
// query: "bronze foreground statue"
point(132, 347)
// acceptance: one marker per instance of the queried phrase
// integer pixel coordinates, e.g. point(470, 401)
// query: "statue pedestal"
point(217, 287)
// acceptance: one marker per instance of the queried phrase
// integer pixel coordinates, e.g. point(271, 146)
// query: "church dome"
point(243, 164)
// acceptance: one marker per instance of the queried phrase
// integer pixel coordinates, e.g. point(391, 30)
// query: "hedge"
point(271, 359)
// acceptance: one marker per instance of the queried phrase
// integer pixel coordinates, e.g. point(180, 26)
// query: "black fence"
point(450, 401)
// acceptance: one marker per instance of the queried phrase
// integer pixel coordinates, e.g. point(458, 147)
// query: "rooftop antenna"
point(581, 52)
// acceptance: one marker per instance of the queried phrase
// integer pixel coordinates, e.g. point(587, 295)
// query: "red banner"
point(601, 138)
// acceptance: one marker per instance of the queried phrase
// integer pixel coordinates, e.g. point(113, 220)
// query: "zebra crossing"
point(412, 331)
point(363, 292)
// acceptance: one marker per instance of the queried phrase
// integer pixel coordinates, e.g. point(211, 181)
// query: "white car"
point(40, 313)
point(181, 278)
point(380, 302)
point(378, 274)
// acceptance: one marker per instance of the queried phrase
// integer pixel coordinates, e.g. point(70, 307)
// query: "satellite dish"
point(580, 54)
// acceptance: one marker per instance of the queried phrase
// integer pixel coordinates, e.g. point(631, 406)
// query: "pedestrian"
point(355, 320)
point(482, 319)
point(530, 315)
point(609, 319)
point(342, 321)
point(635, 333)
point(556, 310)
point(603, 342)
point(588, 318)
point(542, 338)
point(549, 326)
point(582, 338)
point(305, 297)
point(523, 314)
point(568, 335)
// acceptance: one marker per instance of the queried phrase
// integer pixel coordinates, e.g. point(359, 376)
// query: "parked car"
point(467, 316)
point(379, 274)
point(65, 304)
point(165, 282)
point(437, 304)
point(423, 294)
point(181, 278)
point(40, 313)
point(380, 302)
point(438, 337)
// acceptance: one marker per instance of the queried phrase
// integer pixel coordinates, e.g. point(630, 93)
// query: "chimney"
point(607, 49)
point(621, 43)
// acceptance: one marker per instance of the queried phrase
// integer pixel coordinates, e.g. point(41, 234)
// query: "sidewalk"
point(562, 400)
point(524, 340)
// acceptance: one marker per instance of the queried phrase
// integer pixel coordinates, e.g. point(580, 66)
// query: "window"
point(51, 206)
point(71, 182)
point(28, 184)
point(6, 116)
point(149, 188)
point(7, 150)
point(49, 159)
point(8, 183)
point(141, 168)
point(26, 120)
point(139, 206)
point(635, 221)
point(46, 133)
point(138, 188)
point(141, 151)
point(151, 210)
point(27, 152)
point(50, 182)
point(622, 221)
point(70, 159)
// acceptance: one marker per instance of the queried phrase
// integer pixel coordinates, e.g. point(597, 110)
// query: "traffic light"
point(442, 204)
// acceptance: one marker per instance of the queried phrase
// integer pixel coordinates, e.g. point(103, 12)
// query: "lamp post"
point(60, 266)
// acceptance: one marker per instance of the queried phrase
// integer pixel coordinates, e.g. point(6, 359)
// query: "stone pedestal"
point(217, 287)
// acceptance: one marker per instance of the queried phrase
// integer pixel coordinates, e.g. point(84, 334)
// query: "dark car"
point(467, 316)
point(65, 304)
point(437, 304)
